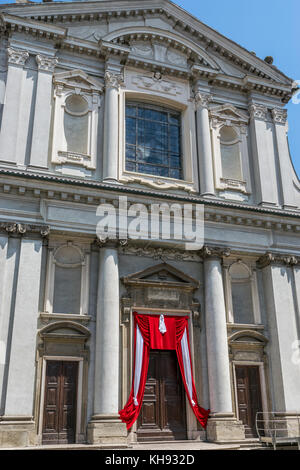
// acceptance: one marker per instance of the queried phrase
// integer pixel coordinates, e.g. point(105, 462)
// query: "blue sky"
point(267, 27)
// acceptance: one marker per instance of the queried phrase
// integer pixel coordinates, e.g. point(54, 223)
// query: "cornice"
point(66, 188)
point(36, 28)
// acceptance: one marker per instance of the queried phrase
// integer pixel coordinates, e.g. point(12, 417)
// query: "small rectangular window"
point(67, 290)
point(242, 302)
point(153, 140)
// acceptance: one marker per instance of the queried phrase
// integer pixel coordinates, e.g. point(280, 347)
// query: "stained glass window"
point(153, 140)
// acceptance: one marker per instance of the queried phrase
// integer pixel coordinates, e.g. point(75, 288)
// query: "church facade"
point(120, 107)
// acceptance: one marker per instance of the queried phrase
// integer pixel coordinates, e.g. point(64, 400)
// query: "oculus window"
point(153, 140)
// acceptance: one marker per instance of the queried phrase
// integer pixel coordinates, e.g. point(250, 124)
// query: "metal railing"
point(274, 428)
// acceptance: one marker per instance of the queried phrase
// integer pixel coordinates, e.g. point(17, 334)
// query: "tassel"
point(135, 401)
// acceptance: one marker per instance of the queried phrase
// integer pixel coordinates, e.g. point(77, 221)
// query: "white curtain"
point(187, 365)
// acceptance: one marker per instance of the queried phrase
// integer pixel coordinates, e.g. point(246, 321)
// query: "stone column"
point(111, 127)
point(9, 257)
point(42, 112)
point(263, 156)
point(207, 187)
point(11, 111)
point(221, 425)
point(287, 190)
point(282, 311)
point(17, 426)
point(105, 426)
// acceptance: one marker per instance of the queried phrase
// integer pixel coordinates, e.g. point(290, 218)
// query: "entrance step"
point(251, 443)
point(71, 447)
point(183, 445)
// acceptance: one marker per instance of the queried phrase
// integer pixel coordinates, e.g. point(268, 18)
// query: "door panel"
point(60, 402)
point(248, 396)
point(163, 414)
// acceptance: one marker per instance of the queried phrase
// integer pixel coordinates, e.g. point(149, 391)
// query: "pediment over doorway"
point(163, 275)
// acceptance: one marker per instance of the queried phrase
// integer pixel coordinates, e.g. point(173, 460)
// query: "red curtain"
point(176, 328)
point(131, 411)
point(200, 413)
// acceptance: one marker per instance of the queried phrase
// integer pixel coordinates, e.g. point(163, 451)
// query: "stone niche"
point(161, 286)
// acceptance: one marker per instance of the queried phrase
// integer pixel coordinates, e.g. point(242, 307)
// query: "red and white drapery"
point(160, 332)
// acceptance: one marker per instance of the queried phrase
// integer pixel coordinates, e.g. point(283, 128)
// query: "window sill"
point(74, 158)
point(245, 326)
point(157, 182)
point(234, 185)
point(46, 317)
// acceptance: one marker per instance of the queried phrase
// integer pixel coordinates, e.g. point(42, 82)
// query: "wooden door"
point(249, 397)
point(163, 412)
point(59, 422)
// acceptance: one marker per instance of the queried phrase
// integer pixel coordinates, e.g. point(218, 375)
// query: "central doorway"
point(163, 411)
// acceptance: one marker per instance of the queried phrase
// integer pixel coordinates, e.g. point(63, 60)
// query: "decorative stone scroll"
point(214, 252)
point(157, 83)
point(21, 229)
point(159, 253)
point(106, 241)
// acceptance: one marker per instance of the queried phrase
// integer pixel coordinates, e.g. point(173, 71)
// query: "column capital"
point(270, 258)
point(46, 63)
point(106, 242)
point(16, 56)
point(202, 99)
point(113, 80)
point(279, 115)
point(213, 252)
point(258, 111)
point(15, 228)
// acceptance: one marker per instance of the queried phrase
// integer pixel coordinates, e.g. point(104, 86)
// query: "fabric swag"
point(160, 332)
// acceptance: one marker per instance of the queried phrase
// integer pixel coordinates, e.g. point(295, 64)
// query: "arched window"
point(241, 292)
point(230, 154)
point(76, 124)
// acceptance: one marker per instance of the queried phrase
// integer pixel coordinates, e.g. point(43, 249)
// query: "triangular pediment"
point(77, 79)
point(228, 112)
point(151, 31)
point(162, 274)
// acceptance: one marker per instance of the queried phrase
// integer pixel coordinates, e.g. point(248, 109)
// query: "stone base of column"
point(17, 431)
point(287, 424)
point(107, 429)
point(224, 428)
